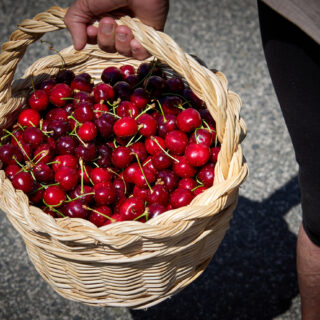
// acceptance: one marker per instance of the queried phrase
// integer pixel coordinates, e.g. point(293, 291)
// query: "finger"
point(92, 33)
point(122, 40)
point(77, 29)
point(106, 34)
point(138, 51)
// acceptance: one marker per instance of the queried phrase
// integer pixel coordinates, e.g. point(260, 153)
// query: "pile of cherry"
point(130, 147)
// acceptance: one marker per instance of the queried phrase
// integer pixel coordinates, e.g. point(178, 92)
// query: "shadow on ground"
point(253, 274)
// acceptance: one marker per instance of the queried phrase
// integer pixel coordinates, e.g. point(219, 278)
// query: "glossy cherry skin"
point(187, 183)
point(104, 92)
point(127, 70)
point(58, 128)
point(148, 125)
point(197, 154)
point(100, 219)
point(75, 209)
point(80, 97)
point(161, 160)
point(8, 154)
point(65, 76)
point(39, 100)
point(207, 117)
point(176, 141)
point(85, 194)
point(175, 85)
point(171, 104)
point(214, 154)
point(127, 109)
point(182, 168)
point(202, 136)
point(59, 93)
point(99, 175)
point(54, 196)
point(99, 109)
point(132, 208)
point(199, 190)
point(139, 177)
point(188, 120)
point(67, 178)
point(125, 127)
point(88, 131)
point(153, 147)
point(193, 99)
point(43, 173)
point(140, 150)
point(155, 209)
point(166, 124)
point(29, 118)
point(11, 170)
point(104, 193)
point(155, 85)
point(159, 195)
point(43, 153)
point(65, 160)
point(23, 181)
point(122, 90)
point(140, 98)
point(105, 125)
point(169, 178)
point(47, 85)
point(33, 136)
point(122, 157)
point(87, 153)
point(181, 197)
point(57, 114)
point(140, 193)
point(112, 75)
point(66, 145)
point(83, 112)
point(206, 175)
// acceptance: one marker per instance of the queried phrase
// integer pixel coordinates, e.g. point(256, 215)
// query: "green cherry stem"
point(140, 166)
point(167, 153)
point(96, 211)
point(161, 110)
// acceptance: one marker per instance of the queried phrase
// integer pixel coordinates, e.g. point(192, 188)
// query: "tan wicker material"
point(127, 264)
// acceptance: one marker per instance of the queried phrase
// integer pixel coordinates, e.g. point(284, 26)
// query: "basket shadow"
point(252, 275)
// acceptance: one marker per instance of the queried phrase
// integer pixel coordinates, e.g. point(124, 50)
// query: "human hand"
point(111, 37)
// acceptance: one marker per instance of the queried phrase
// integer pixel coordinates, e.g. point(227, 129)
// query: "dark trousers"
point(293, 60)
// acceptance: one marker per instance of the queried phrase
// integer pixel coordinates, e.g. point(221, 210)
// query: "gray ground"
point(253, 274)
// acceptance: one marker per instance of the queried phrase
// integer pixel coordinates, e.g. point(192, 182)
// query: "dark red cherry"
point(65, 160)
point(11, 170)
point(66, 145)
point(181, 197)
point(33, 136)
point(87, 132)
point(83, 193)
point(161, 160)
point(140, 150)
point(202, 136)
point(47, 85)
point(23, 181)
point(166, 124)
point(75, 209)
point(140, 98)
point(8, 154)
point(182, 168)
point(193, 99)
point(155, 86)
point(156, 209)
point(83, 112)
point(187, 183)
point(122, 90)
point(67, 178)
point(127, 70)
point(159, 195)
point(214, 154)
point(104, 92)
point(175, 85)
point(176, 141)
point(112, 75)
point(206, 175)
point(59, 94)
point(127, 109)
point(171, 104)
point(132, 208)
point(43, 173)
point(98, 216)
point(154, 144)
point(87, 153)
point(169, 178)
point(65, 76)
point(105, 125)
point(148, 125)
point(105, 193)
point(99, 175)
point(122, 157)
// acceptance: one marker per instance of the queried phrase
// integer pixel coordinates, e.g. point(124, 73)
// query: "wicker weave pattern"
point(129, 263)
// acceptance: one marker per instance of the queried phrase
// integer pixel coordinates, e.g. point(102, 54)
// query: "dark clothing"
point(293, 59)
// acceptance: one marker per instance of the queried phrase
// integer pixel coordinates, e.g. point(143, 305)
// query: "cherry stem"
point(145, 214)
point(86, 172)
point(57, 211)
point(56, 51)
point(80, 196)
point(140, 166)
point(52, 206)
point(150, 106)
point(96, 211)
point(199, 186)
point(196, 136)
point(18, 142)
point(81, 176)
point(166, 152)
point(161, 110)
point(33, 86)
point(43, 153)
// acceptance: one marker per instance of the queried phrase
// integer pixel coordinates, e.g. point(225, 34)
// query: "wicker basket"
point(127, 264)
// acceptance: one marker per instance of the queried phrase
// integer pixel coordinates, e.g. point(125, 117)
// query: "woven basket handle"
point(206, 84)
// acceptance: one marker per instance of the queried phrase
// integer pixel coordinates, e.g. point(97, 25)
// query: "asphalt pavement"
point(253, 274)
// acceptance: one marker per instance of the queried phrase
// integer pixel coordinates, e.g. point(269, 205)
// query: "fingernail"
point(122, 36)
point(107, 28)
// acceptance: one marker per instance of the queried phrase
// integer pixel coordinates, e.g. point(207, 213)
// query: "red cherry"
point(112, 75)
point(148, 164)
point(54, 196)
point(67, 178)
point(65, 160)
point(100, 219)
point(29, 118)
point(176, 141)
point(43, 173)
point(140, 193)
point(140, 150)
point(214, 154)
point(122, 157)
point(33, 136)
point(187, 183)
point(39, 100)
point(161, 160)
point(57, 114)
point(127, 70)
point(83, 193)
point(180, 198)
point(169, 178)
point(88, 131)
point(132, 208)
point(11, 170)
point(206, 175)
point(197, 154)
point(127, 109)
point(59, 93)
point(182, 168)
point(139, 177)
point(47, 85)
point(148, 125)
point(140, 98)
point(156, 209)
point(167, 124)
point(23, 181)
point(43, 154)
point(188, 120)
point(104, 92)
point(193, 99)
point(75, 209)
point(199, 190)
point(171, 104)
point(99, 109)
point(83, 112)
point(82, 82)
point(175, 85)
point(202, 136)
point(159, 195)
point(125, 127)
point(85, 173)
point(99, 175)
point(153, 147)
point(104, 193)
